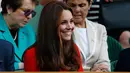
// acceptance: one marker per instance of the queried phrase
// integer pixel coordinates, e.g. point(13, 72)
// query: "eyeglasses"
point(27, 12)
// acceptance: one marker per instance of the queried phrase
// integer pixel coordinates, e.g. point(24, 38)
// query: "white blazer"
point(97, 39)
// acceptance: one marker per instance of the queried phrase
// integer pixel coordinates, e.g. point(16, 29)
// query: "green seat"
point(114, 49)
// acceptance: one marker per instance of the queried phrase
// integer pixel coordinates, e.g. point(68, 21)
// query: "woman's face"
point(23, 14)
point(66, 25)
point(80, 9)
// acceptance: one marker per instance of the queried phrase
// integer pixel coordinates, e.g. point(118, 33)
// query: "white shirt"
point(85, 45)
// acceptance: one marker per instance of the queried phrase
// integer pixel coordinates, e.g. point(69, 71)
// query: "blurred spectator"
point(124, 39)
point(123, 64)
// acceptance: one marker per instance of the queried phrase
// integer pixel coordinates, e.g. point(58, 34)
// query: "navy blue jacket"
point(123, 64)
point(6, 56)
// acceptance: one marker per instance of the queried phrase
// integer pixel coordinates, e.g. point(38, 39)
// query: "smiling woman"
point(13, 28)
point(54, 49)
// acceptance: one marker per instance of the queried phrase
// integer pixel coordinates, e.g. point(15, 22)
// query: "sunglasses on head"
point(27, 12)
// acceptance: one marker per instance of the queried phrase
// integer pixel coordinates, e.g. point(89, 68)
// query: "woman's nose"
point(69, 26)
point(77, 9)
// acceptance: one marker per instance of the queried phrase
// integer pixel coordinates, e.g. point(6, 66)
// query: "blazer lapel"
point(7, 36)
point(21, 39)
point(91, 32)
point(78, 42)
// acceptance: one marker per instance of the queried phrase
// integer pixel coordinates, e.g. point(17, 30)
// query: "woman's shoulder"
point(95, 24)
point(30, 51)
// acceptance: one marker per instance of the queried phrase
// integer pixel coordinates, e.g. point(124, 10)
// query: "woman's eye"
point(72, 5)
point(82, 5)
point(64, 22)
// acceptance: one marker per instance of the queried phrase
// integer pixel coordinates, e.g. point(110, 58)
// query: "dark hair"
point(14, 4)
point(86, 0)
point(52, 53)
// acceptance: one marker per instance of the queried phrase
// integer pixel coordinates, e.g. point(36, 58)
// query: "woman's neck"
point(81, 25)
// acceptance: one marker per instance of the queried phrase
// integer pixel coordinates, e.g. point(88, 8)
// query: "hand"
point(21, 65)
point(100, 68)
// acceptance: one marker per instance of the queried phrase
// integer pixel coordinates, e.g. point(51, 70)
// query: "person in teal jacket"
point(13, 28)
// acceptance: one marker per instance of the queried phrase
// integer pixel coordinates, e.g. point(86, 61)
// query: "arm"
point(103, 63)
point(11, 60)
point(9, 55)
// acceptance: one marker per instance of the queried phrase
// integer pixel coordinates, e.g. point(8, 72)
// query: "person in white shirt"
point(90, 37)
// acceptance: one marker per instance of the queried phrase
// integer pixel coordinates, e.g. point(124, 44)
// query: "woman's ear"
point(9, 10)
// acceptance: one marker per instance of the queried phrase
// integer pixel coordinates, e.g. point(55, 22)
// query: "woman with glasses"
point(13, 28)
point(54, 49)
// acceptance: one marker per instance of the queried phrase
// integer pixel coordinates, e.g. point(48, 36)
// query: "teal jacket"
point(26, 37)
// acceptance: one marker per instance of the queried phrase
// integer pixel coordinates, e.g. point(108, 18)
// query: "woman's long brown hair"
point(52, 53)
